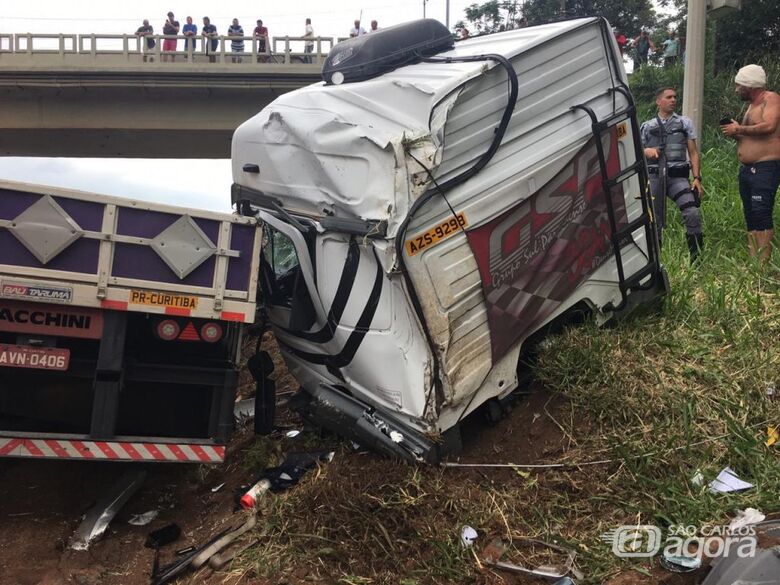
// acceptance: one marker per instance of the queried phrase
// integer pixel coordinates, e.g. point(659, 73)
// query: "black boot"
point(695, 245)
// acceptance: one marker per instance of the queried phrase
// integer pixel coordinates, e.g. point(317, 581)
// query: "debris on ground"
point(496, 549)
point(772, 436)
point(216, 488)
point(728, 481)
point(143, 519)
point(162, 536)
point(746, 517)
point(244, 410)
point(680, 563)
point(97, 519)
point(468, 536)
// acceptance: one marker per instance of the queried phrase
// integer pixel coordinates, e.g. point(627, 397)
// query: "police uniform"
point(674, 132)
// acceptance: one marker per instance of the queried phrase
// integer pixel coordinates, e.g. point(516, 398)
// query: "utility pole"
point(693, 86)
point(447, 17)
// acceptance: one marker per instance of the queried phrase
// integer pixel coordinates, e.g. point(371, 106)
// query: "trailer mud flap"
point(342, 414)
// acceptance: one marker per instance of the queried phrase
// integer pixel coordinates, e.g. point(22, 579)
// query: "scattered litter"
point(564, 581)
point(468, 536)
point(249, 499)
point(292, 434)
point(143, 519)
point(286, 475)
point(244, 410)
point(680, 563)
point(728, 481)
point(745, 517)
point(698, 479)
point(493, 552)
point(759, 568)
point(215, 489)
point(162, 536)
point(772, 436)
point(100, 515)
point(396, 437)
point(771, 390)
point(162, 575)
point(184, 551)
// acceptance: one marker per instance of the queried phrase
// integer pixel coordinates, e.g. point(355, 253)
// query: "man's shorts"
point(758, 184)
point(169, 45)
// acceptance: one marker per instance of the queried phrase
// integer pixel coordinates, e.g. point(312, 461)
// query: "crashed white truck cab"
point(429, 214)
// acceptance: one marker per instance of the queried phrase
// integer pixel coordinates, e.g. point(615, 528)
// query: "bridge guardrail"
point(133, 48)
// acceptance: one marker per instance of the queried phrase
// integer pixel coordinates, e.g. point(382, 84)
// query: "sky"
point(201, 183)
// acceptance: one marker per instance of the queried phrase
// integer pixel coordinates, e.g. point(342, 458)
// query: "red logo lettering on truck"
point(533, 256)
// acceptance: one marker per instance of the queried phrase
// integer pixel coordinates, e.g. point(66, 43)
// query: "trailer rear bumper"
point(133, 449)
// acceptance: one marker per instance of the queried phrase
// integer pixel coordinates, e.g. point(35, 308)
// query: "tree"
point(491, 16)
point(628, 16)
point(748, 35)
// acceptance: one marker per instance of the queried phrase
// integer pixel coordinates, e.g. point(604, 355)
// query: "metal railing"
point(134, 49)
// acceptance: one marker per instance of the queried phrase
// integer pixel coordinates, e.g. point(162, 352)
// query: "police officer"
point(669, 142)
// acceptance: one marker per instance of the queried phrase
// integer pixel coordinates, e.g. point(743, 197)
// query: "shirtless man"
point(758, 149)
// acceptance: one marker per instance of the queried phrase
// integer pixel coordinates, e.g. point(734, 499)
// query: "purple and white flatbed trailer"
point(120, 325)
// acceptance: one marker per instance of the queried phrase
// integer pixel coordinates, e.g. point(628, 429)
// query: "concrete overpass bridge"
point(108, 96)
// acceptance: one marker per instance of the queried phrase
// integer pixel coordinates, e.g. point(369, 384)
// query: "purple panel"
point(148, 224)
point(87, 214)
point(80, 256)
point(12, 203)
point(134, 261)
point(242, 239)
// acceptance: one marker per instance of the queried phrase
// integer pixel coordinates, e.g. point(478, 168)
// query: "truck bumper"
point(51, 446)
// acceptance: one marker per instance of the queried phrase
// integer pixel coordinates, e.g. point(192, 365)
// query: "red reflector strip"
point(116, 450)
point(229, 316)
point(178, 311)
point(113, 305)
point(189, 333)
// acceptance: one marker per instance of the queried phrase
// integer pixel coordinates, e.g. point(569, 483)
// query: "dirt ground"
point(41, 502)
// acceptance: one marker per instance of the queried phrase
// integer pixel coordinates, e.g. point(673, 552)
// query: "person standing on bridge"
point(190, 32)
point(237, 41)
point(210, 38)
point(146, 32)
point(309, 47)
point(170, 28)
point(261, 36)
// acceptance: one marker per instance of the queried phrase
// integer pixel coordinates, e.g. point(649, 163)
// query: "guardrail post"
point(29, 44)
point(61, 40)
point(287, 50)
point(93, 47)
point(126, 47)
point(222, 49)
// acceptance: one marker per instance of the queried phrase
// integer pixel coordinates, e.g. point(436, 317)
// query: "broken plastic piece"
point(244, 410)
point(728, 481)
point(468, 536)
point(215, 489)
point(680, 563)
point(292, 434)
point(143, 519)
point(100, 515)
point(698, 479)
point(745, 517)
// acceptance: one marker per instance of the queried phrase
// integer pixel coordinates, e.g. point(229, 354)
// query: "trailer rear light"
point(168, 330)
point(189, 333)
point(211, 332)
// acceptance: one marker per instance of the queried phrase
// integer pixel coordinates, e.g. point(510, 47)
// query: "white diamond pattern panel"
point(45, 229)
point(183, 246)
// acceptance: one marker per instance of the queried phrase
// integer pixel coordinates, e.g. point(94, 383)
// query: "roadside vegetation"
point(667, 394)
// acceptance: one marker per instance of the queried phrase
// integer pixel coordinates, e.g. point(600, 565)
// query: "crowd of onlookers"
point(641, 47)
point(171, 30)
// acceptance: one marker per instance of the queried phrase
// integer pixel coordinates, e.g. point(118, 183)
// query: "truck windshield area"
point(283, 281)
point(281, 268)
